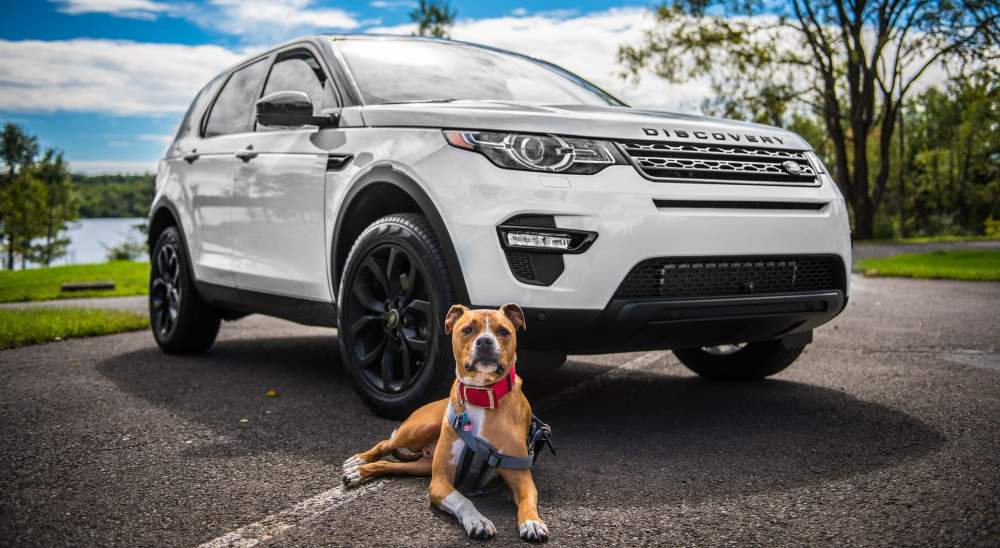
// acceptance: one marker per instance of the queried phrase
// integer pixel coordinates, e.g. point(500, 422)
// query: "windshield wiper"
point(448, 100)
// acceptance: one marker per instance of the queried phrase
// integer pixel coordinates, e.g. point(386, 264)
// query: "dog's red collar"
point(487, 396)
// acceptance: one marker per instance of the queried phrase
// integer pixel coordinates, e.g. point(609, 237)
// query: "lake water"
point(90, 237)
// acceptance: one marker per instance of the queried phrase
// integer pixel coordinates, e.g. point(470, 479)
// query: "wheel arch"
point(380, 192)
point(163, 215)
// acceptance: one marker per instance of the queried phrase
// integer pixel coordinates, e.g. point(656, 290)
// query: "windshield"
point(405, 71)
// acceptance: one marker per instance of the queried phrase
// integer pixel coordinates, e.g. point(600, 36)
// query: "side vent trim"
point(337, 162)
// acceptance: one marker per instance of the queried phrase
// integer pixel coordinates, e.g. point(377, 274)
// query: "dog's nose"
point(484, 342)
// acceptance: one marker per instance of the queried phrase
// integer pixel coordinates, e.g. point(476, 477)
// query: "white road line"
point(313, 507)
point(640, 362)
point(275, 524)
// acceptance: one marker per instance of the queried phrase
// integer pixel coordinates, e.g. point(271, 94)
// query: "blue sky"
point(106, 81)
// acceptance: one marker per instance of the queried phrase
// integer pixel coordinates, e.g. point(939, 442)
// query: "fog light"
point(543, 241)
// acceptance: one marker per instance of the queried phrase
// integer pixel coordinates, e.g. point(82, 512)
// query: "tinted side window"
point(231, 112)
point(189, 125)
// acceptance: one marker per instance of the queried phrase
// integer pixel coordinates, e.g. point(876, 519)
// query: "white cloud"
point(105, 76)
point(133, 9)
point(260, 21)
point(392, 4)
point(586, 45)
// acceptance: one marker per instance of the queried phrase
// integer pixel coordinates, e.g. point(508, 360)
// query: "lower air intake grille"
point(669, 277)
point(521, 265)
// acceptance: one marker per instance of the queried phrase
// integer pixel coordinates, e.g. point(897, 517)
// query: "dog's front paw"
point(479, 528)
point(352, 475)
point(534, 531)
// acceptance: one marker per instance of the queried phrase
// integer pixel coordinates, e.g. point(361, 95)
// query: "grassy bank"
point(42, 284)
point(24, 326)
point(956, 264)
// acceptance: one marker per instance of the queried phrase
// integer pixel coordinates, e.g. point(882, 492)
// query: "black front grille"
point(708, 163)
point(724, 276)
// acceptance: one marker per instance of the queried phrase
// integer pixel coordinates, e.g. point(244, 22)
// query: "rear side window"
point(231, 111)
point(189, 125)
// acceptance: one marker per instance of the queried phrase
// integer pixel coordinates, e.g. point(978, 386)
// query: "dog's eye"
point(503, 332)
point(467, 330)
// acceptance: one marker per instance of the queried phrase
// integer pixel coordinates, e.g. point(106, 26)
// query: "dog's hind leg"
point(361, 473)
point(409, 440)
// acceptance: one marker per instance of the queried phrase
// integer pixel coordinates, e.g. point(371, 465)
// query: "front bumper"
point(474, 197)
point(679, 323)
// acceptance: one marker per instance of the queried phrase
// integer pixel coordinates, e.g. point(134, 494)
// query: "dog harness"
point(475, 474)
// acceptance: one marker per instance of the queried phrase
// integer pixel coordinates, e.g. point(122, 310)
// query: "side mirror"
point(291, 109)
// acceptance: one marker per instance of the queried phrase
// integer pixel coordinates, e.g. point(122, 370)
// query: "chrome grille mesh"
point(691, 162)
point(671, 278)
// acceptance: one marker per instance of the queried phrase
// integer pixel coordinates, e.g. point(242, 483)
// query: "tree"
point(851, 63)
point(17, 150)
point(433, 18)
point(56, 205)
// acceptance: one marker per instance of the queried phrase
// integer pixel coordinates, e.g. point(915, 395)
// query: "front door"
point(279, 186)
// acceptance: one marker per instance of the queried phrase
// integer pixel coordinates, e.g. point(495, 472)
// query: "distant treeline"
point(114, 195)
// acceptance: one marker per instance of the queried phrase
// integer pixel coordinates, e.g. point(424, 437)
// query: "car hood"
point(580, 120)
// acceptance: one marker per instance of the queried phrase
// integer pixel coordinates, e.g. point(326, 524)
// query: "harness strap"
point(479, 458)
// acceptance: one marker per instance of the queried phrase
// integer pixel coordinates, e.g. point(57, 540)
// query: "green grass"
point(956, 264)
point(24, 326)
point(42, 284)
point(929, 240)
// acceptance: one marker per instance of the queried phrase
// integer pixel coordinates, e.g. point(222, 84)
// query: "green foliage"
point(992, 228)
point(37, 199)
point(129, 250)
point(433, 18)
point(115, 195)
point(43, 284)
point(957, 264)
point(24, 326)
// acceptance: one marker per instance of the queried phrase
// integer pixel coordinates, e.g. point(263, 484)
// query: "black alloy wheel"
point(393, 294)
point(165, 292)
point(391, 336)
point(180, 320)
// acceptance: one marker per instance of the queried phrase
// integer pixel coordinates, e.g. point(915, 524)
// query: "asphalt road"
point(887, 431)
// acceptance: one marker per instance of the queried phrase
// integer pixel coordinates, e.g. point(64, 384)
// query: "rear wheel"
point(393, 294)
point(180, 320)
point(739, 362)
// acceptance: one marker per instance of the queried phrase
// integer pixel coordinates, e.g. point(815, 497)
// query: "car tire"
point(181, 321)
point(393, 295)
point(753, 361)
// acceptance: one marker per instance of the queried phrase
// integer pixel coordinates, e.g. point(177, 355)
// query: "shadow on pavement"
point(675, 439)
point(642, 437)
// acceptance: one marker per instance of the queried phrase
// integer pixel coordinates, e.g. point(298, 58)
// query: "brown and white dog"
point(484, 343)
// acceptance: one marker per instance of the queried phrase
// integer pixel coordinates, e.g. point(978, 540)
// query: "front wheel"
point(739, 362)
point(393, 294)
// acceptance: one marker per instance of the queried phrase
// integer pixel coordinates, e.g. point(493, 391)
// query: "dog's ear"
point(514, 314)
point(454, 313)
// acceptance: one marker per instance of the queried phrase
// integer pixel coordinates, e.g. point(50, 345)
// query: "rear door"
point(278, 218)
point(210, 176)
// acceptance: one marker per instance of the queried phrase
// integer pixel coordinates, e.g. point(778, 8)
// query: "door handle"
point(247, 154)
point(190, 158)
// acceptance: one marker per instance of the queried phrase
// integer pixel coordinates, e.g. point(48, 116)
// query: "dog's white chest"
point(476, 416)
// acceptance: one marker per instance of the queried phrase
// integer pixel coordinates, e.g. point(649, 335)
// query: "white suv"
point(369, 182)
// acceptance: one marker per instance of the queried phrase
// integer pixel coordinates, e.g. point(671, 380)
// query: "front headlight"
point(548, 153)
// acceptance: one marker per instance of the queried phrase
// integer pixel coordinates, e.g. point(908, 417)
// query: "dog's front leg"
point(445, 497)
point(522, 485)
